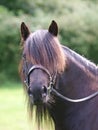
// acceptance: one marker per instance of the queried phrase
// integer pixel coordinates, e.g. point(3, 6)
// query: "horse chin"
point(37, 111)
point(40, 110)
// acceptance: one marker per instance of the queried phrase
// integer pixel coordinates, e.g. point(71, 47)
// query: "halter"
point(29, 71)
point(52, 80)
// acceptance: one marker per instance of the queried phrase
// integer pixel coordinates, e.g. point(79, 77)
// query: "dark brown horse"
point(58, 81)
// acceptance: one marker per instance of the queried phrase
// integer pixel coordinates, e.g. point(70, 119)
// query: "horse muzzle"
point(38, 96)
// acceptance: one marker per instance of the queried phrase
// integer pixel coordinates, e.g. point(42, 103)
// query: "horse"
point(58, 81)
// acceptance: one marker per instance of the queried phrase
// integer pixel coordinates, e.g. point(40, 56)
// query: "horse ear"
point(24, 31)
point(53, 28)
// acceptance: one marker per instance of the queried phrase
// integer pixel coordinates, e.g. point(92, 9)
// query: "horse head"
point(42, 59)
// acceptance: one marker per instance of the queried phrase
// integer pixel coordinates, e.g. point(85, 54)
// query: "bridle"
point(51, 87)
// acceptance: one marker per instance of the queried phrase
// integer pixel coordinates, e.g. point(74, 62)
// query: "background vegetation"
point(77, 20)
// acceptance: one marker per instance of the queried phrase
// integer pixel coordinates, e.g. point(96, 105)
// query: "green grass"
point(13, 109)
point(13, 113)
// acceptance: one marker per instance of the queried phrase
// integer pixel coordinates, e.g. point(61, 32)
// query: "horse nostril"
point(44, 89)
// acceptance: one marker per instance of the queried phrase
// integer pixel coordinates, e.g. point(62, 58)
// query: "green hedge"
point(9, 44)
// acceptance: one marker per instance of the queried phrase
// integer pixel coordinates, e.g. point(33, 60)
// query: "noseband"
point(52, 80)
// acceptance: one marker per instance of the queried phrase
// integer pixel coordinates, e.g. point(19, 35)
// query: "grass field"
point(13, 109)
point(13, 114)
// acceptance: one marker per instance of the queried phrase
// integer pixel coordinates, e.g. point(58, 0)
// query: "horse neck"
point(81, 76)
point(74, 83)
point(78, 81)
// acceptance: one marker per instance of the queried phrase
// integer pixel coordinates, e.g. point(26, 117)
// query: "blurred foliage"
point(77, 21)
point(9, 39)
point(17, 5)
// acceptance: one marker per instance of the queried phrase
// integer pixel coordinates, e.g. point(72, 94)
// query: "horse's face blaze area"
point(38, 87)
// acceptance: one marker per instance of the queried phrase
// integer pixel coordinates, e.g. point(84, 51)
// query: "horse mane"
point(44, 49)
point(82, 61)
